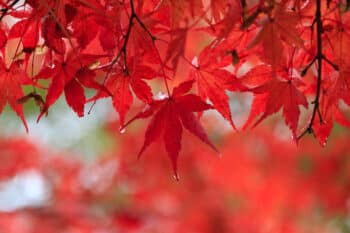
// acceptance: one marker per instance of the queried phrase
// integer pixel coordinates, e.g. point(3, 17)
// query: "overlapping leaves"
point(126, 49)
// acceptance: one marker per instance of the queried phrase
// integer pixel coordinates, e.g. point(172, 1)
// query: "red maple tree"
point(289, 54)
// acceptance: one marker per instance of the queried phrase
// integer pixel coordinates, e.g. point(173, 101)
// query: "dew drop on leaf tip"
point(195, 61)
point(122, 130)
point(176, 177)
point(295, 140)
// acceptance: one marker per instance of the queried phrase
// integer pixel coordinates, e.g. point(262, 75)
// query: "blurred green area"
point(62, 129)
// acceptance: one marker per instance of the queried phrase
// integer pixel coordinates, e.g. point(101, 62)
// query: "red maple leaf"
point(322, 127)
point(170, 116)
point(28, 30)
point(10, 88)
point(120, 83)
point(231, 10)
point(212, 82)
point(335, 88)
point(176, 47)
point(69, 75)
point(53, 35)
point(85, 28)
point(272, 95)
point(277, 26)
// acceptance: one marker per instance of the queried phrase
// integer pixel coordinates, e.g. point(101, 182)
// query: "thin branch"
point(319, 57)
point(303, 72)
point(5, 10)
point(330, 62)
point(123, 49)
point(153, 39)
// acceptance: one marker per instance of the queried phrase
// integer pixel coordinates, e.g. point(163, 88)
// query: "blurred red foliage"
point(260, 184)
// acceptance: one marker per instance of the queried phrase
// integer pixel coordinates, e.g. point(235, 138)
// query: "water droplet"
point(195, 61)
point(161, 96)
point(122, 130)
point(295, 139)
point(176, 177)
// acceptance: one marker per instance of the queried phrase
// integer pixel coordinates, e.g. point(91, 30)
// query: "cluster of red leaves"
point(287, 53)
point(272, 187)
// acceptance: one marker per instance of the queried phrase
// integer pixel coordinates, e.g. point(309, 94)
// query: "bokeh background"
point(81, 175)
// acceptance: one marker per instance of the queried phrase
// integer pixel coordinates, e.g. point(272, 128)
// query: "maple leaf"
point(85, 29)
point(336, 85)
point(279, 24)
point(335, 88)
point(10, 88)
point(110, 26)
point(338, 39)
point(231, 11)
point(28, 30)
point(338, 81)
point(170, 116)
point(120, 83)
point(322, 127)
point(257, 76)
point(69, 75)
point(63, 72)
point(53, 35)
point(212, 82)
point(279, 92)
point(176, 47)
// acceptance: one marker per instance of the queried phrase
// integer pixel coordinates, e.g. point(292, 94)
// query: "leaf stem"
point(123, 49)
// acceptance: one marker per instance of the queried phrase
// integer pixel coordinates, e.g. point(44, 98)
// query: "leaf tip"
point(122, 129)
point(176, 176)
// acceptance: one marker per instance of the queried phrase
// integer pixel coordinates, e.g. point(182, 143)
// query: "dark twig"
point(123, 50)
point(319, 57)
point(330, 62)
point(5, 10)
point(303, 72)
